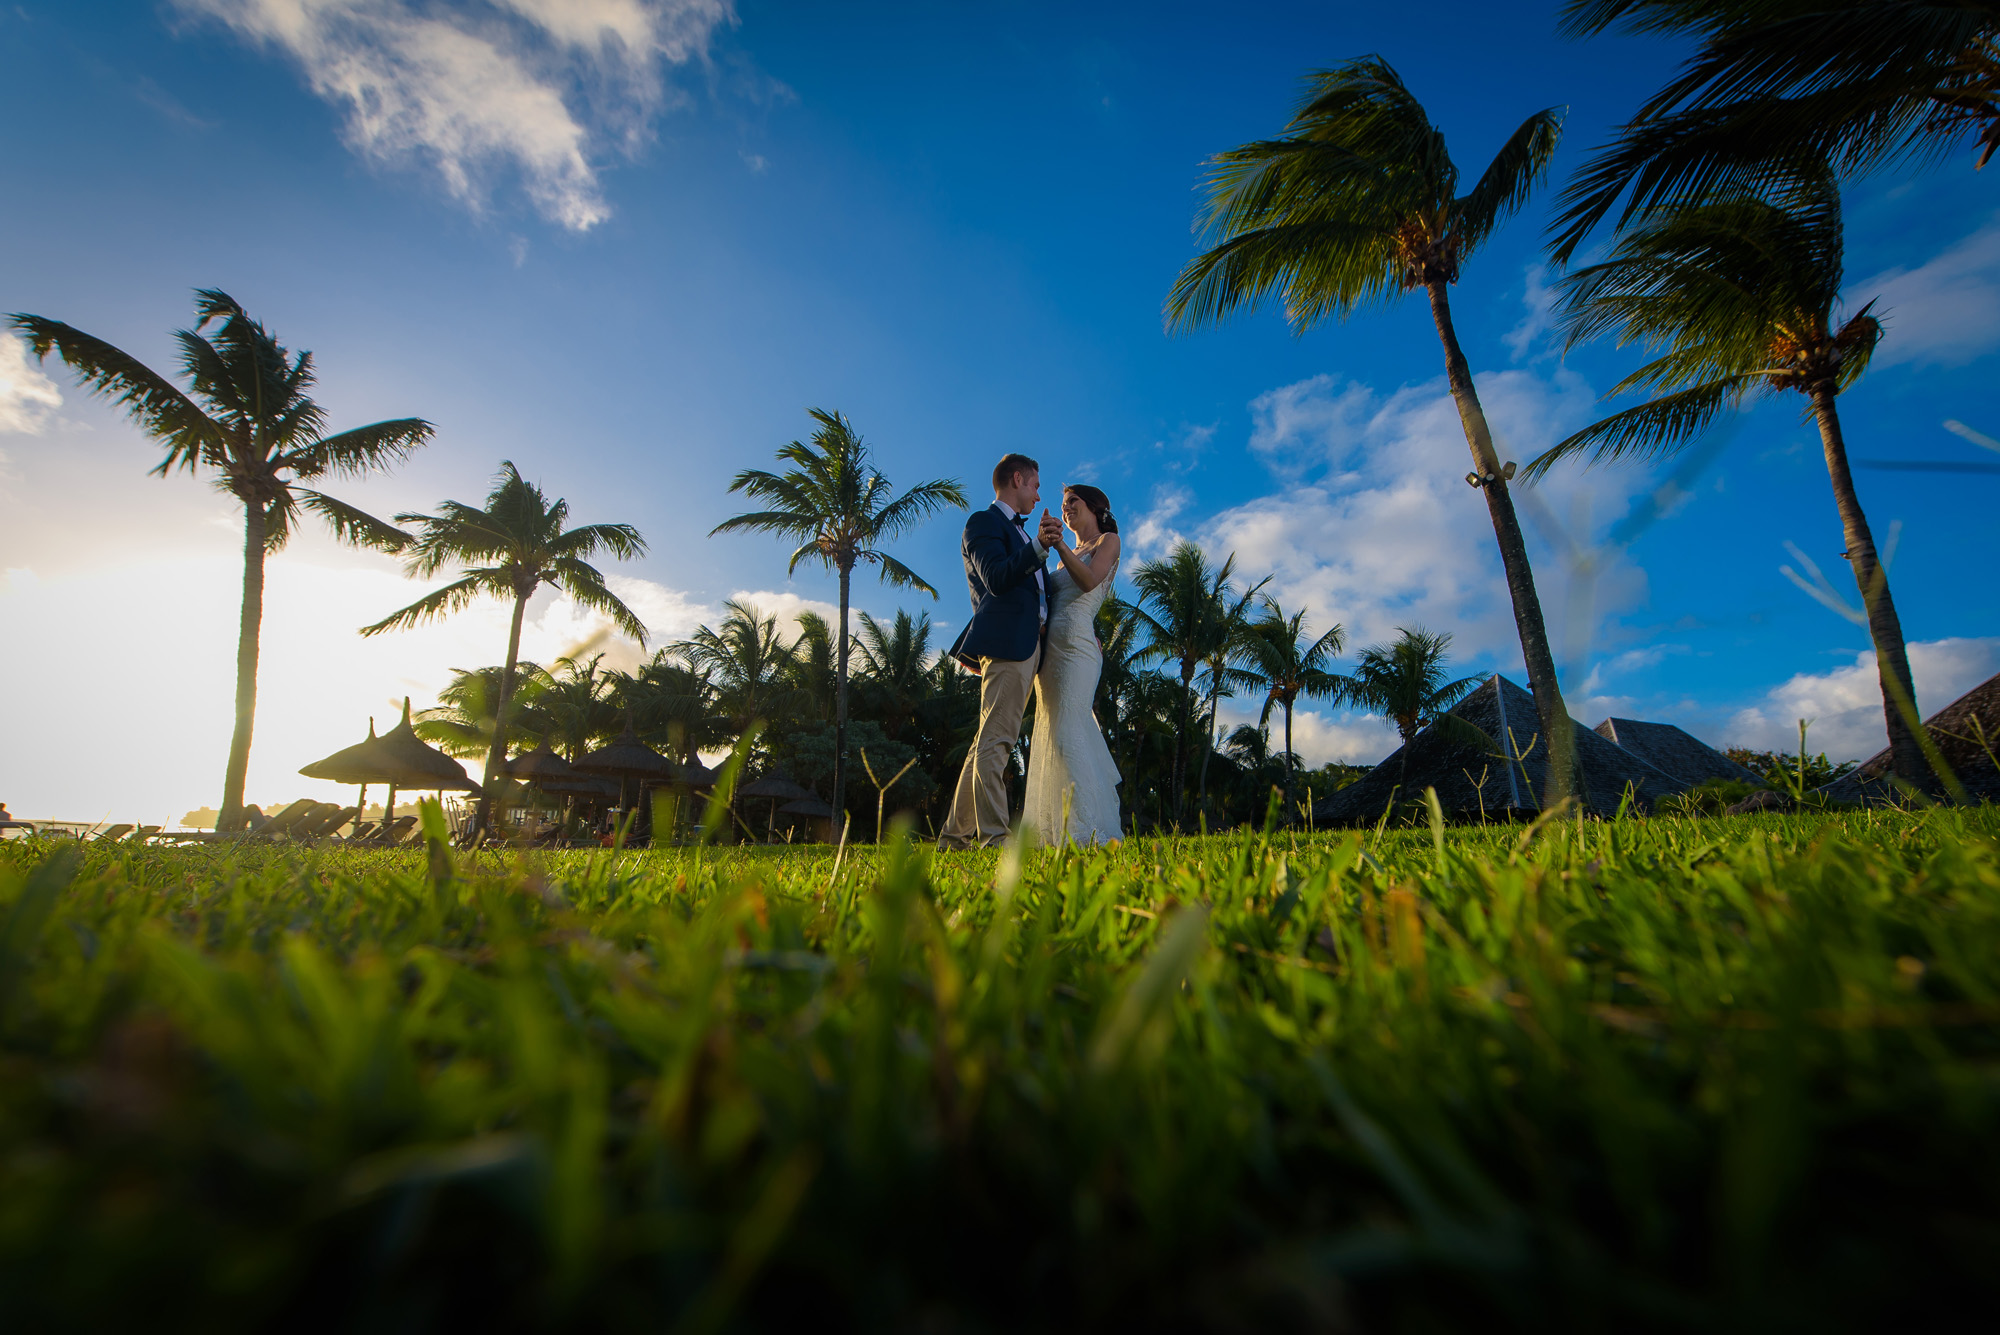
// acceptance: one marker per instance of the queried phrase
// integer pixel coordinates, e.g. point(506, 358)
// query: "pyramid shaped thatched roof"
point(1470, 779)
point(1952, 729)
point(1679, 753)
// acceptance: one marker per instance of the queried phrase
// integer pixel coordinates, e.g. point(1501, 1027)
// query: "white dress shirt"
point(1041, 553)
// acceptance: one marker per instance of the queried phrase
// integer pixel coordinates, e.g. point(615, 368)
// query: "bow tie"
point(1020, 521)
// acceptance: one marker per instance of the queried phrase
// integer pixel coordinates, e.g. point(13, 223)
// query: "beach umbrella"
point(812, 809)
point(627, 760)
point(367, 761)
point(540, 767)
point(778, 789)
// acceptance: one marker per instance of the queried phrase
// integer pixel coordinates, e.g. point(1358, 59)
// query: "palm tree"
point(838, 505)
point(1739, 295)
point(461, 724)
point(1183, 609)
point(248, 418)
point(576, 706)
point(746, 662)
point(1289, 666)
point(812, 674)
point(508, 549)
point(1405, 681)
point(1775, 88)
point(895, 661)
point(1359, 203)
point(1219, 669)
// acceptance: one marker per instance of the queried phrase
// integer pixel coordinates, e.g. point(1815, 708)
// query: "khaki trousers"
point(979, 803)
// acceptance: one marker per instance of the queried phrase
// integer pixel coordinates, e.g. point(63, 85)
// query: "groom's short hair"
point(1009, 465)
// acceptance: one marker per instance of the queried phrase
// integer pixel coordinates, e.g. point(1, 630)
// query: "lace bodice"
point(1074, 611)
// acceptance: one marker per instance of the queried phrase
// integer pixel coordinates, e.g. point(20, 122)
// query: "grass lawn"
point(1642, 1075)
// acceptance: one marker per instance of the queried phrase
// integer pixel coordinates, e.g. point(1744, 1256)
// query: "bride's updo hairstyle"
point(1097, 503)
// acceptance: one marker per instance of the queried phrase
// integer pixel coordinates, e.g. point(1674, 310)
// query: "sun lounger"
point(142, 834)
point(115, 833)
point(326, 826)
point(401, 831)
point(285, 820)
point(361, 832)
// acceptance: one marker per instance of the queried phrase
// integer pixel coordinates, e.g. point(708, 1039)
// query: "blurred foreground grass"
point(1671, 1074)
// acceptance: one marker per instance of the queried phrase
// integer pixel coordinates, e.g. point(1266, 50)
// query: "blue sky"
point(629, 263)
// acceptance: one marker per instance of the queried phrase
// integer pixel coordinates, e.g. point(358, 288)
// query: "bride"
point(1070, 771)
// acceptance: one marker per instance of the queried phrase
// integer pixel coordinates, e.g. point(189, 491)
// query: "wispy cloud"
point(28, 398)
point(477, 88)
point(1528, 340)
point(1945, 312)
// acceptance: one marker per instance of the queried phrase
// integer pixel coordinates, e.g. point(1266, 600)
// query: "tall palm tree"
point(248, 418)
point(1357, 203)
point(1183, 610)
point(1739, 296)
point(839, 506)
point(746, 662)
point(1778, 85)
point(509, 548)
point(1289, 665)
point(1405, 681)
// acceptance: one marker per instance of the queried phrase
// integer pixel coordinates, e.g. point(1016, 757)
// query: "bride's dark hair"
point(1097, 503)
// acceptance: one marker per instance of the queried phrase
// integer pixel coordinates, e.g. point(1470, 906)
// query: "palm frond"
point(451, 598)
point(1508, 180)
point(895, 573)
point(585, 586)
point(1652, 429)
point(352, 453)
point(152, 401)
point(351, 525)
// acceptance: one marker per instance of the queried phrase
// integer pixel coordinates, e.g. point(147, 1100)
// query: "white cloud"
point(1527, 340)
point(475, 87)
point(1378, 530)
point(1845, 704)
point(1944, 312)
point(1154, 534)
point(28, 398)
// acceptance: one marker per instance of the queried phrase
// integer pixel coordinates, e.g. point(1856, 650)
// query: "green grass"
point(1659, 1075)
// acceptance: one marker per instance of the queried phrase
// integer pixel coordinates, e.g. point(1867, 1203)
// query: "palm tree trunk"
point(1885, 628)
point(248, 627)
point(1288, 758)
point(1528, 620)
point(1179, 775)
point(496, 754)
point(1208, 747)
point(840, 710)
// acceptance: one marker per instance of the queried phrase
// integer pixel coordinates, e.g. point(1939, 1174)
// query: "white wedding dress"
point(1070, 769)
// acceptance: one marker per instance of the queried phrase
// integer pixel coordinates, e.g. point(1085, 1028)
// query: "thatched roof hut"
point(1470, 779)
point(1679, 753)
point(1952, 728)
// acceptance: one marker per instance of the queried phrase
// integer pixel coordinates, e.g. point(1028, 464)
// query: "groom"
point(1002, 642)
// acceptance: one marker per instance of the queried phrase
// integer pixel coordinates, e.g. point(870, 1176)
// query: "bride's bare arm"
point(1089, 574)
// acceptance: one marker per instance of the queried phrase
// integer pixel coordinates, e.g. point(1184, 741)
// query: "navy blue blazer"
point(1000, 566)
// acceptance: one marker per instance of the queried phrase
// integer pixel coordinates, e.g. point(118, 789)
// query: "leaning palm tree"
point(1406, 682)
point(895, 660)
point(839, 506)
point(1183, 610)
point(1289, 665)
point(1776, 87)
point(510, 548)
point(1739, 295)
point(746, 662)
point(247, 417)
point(1358, 203)
point(461, 723)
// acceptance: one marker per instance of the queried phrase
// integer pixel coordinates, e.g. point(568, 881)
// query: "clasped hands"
point(1048, 531)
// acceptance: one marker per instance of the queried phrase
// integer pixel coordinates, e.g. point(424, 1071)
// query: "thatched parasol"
point(387, 760)
point(628, 759)
point(777, 788)
point(433, 768)
point(540, 767)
